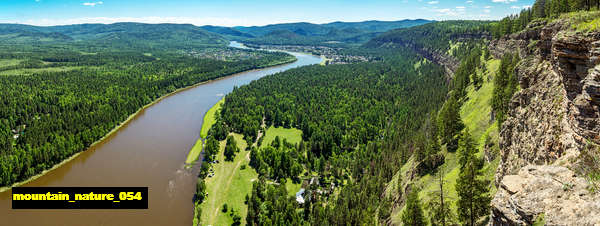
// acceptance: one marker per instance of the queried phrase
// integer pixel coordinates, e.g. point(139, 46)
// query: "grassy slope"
point(230, 185)
point(585, 21)
point(292, 135)
point(475, 113)
point(209, 120)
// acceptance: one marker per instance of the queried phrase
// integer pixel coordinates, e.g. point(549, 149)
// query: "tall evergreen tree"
point(230, 149)
point(413, 214)
point(211, 148)
point(466, 148)
point(431, 132)
point(505, 85)
point(399, 186)
point(473, 191)
point(450, 123)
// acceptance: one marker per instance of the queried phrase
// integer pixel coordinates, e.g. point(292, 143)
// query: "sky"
point(249, 13)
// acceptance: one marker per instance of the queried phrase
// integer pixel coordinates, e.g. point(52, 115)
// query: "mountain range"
point(129, 33)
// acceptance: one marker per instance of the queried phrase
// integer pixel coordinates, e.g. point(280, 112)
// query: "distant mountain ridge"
point(310, 34)
point(130, 33)
point(123, 34)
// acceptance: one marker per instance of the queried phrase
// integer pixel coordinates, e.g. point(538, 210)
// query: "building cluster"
point(333, 55)
point(20, 130)
point(224, 54)
point(313, 188)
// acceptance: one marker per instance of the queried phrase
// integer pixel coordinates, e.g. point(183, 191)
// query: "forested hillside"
point(375, 148)
point(358, 125)
point(410, 122)
point(136, 36)
point(56, 101)
point(131, 36)
point(330, 34)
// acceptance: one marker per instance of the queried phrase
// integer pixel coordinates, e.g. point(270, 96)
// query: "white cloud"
point(92, 4)
point(526, 6)
point(469, 2)
point(198, 21)
point(460, 7)
point(503, 1)
point(515, 7)
point(449, 12)
point(487, 7)
point(487, 11)
point(433, 2)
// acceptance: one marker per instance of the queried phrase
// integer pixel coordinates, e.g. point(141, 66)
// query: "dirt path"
point(225, 186)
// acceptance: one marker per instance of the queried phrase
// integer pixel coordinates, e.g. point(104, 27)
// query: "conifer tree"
point(230, 149)
point(473, 191)
point(413, 214)
point(399, 186)
point(505, 85)
point(450, 123)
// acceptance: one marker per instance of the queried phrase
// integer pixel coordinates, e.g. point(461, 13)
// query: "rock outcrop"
point(553, 191)
point(554, 118)
point(522, 42)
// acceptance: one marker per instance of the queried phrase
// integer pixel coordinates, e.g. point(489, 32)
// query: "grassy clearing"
point(28, 71)
point(209, 120)
point(292, 188)
point(230, 185)
point(292, 135)
point(585, 21)
point(9, 62)
point(475, 113)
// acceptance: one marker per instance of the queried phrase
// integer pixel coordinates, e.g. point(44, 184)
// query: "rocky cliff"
point(550, 158)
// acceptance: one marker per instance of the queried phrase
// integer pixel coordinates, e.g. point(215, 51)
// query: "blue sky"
point(246, 12)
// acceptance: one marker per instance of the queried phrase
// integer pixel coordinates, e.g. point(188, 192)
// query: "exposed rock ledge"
point(553, 120)
point(553, 191)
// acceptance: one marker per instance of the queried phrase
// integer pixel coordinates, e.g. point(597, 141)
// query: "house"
point(299, 196)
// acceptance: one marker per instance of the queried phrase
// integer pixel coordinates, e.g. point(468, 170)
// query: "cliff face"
point(549, 142)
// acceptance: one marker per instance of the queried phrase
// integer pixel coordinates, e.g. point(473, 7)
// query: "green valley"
point(280, 113)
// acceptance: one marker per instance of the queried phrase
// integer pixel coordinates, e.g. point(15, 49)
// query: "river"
point(149, 151)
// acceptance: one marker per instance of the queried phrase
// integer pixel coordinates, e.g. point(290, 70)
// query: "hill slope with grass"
point(515, 124)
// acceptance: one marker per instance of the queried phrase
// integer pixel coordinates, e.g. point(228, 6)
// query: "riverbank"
point(209, 118)
point(133, 115)
point(207, 122)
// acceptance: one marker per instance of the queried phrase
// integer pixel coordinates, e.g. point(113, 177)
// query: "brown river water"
point(149, 151)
